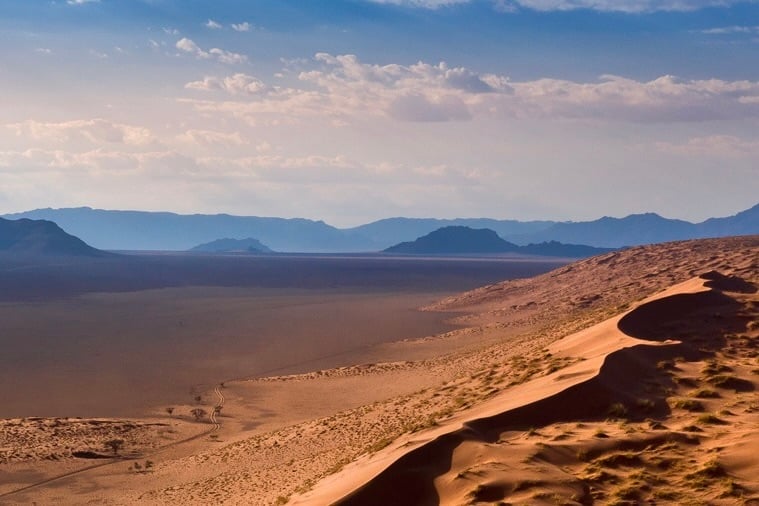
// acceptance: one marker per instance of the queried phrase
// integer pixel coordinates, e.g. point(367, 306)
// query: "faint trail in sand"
point(217, 409)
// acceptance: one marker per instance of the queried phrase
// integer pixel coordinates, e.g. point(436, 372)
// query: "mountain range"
point(142, 230)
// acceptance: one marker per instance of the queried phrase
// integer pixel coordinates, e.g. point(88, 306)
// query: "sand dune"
point(431, 467)
point(620, 379)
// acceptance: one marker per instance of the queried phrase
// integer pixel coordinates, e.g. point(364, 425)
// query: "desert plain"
point(626, 378)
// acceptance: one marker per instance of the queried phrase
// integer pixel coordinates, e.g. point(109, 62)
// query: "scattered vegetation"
point(646, 405)
point(115, 445)
point(713, 367)
point(704, 393)
point(711, 419)
point(199, 413)
point(142, 468)
point(688, 405)
point(617, 410)
point(628, 459)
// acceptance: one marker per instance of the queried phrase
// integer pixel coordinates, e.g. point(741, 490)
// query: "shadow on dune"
point(721, 282)
point(698, 321)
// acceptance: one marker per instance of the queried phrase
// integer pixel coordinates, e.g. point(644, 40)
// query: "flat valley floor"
point(127, 335)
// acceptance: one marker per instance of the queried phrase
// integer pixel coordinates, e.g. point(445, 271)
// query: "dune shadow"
point(699, 321)
point(719, 281)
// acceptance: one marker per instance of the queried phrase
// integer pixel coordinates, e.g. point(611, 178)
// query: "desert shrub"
point(114, 445)
point(688, 405)
point(711, 469)
point(627, 459)
point(617, 410)
point(704, 393)
point(198, 413)
point(713, 367)
point(711, 419)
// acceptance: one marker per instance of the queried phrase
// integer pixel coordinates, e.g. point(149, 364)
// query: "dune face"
point(472, 463)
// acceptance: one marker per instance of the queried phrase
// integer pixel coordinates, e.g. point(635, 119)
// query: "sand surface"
point(625, 378)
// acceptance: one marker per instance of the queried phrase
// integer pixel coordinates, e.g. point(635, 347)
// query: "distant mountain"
point(638, 229)
point(248, 245)
point(455, 240)
point(39, 237)
point(615, 232)
point(391, 231)
point(466, 240)
point(743, 223)
point(137, 230)
point(557, 249)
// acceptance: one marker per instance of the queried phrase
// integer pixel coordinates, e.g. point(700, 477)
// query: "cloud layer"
point(627, 6)
point(343, 86)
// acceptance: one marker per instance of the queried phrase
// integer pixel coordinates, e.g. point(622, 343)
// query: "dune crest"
point(430, 467)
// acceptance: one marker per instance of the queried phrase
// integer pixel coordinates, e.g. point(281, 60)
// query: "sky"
point(349, 111)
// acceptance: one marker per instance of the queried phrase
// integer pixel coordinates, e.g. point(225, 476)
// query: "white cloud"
point(417, 107)
point(81, 2)
point(43, 50)
point(94, 131)
point(213, 25)
point(424, 4)
point(211, 138)
point(170, 31)
point(241, 27)
point(728, 30)
point(189, 46)
point(99, 161)
point(626, 6)
point(228, 56)
point(715, 145)
point(98, 54)
point(237, 84)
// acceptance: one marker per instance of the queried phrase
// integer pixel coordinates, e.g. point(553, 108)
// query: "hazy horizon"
point(356, 110)
point(349, 225)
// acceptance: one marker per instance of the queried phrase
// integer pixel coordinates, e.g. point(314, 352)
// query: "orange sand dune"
point(429, 467)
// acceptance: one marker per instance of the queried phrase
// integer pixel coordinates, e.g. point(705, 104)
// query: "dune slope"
point(471, 458)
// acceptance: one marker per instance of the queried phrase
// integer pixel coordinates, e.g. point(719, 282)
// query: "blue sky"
point(354, 110)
